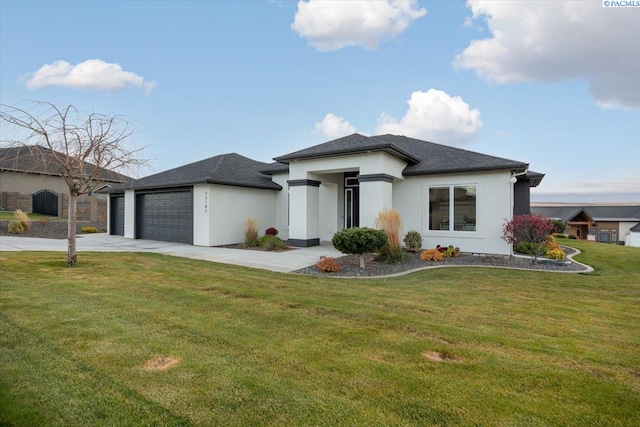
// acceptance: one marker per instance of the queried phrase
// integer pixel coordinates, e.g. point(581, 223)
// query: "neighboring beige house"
point(613, 223)
point(31, 182)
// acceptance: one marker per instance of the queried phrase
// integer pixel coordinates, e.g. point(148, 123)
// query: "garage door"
point(116, 227)
point(165, 216)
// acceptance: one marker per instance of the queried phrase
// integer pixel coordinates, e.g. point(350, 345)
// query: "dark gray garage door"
point(117, 215)
point(165, 216)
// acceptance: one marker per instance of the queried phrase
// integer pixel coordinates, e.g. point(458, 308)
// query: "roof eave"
point(391, 149)
point(514, 168)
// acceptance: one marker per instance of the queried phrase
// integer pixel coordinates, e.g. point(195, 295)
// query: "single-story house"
point(450, 195)
point(605, 223)
point(31, 181)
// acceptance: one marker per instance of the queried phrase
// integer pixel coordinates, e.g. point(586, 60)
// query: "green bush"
point(413, 241)
point(359, 241)
point(391, 255)
point(88, 229)
point(15, 227)
point(271, 243)
point(530, 248)
point(572, 237)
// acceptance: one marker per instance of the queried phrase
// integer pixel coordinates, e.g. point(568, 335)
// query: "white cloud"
point(92, 74)
point(434, 116)
point(332, 25)
point(540, 41)
point(335, 127)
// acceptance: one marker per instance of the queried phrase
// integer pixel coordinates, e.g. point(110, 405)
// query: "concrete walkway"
point(274, 261)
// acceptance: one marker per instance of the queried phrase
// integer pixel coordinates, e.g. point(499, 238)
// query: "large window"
point(457, 216)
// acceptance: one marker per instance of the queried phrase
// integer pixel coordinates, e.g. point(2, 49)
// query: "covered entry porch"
point(328, 195)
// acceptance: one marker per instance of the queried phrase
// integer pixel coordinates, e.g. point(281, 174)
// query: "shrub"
point(530, 248)
point(328, 265)
point(271, 231)
point(554, 251)
point(559, 226)
point(88, 229)
point(572, 237)
point(390, 221)
point(23, 218)
point(391, 256)
point(413, 241)
point(15, 227)
point(250, 232)
point(359, 241)
point(452, 252)
point(431, 255)
point(271, 243)
point(528, 228)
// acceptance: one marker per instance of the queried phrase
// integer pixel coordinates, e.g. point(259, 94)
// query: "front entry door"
point(351, 200)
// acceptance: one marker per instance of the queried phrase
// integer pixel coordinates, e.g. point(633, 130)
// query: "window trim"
point(452, 230)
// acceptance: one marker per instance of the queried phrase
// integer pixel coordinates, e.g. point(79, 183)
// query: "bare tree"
point(81, 147)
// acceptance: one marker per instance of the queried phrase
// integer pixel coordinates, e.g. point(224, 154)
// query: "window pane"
point(464, 208)
point(439, 208)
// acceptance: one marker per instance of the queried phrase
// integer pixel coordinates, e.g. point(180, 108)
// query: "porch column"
point(304, 212)
point(130, 214)
point(376, 191)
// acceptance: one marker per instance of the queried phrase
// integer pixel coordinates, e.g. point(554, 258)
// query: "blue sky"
point(555, 84)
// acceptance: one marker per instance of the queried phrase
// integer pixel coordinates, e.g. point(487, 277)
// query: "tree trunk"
point(72, 257)
point(362, 261)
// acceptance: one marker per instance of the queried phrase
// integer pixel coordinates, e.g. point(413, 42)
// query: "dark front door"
point(351, 200)
point(45, 202)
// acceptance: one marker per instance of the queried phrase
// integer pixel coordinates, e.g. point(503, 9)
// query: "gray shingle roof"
point(274, 168)
point(628, 213)
point(39, 160)
point(225, 169)
point(423, 157)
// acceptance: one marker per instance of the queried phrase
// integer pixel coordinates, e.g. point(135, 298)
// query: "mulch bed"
point(49, 230)
point(350, 265)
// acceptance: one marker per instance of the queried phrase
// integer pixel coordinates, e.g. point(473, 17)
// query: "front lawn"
point(260, 348)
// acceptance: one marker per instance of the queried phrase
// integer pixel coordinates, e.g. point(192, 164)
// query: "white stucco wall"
point(130, 214)
point(328, 209)
point(282, 205)
point(624, 229)
point(368, 163)
point(201, 212)
point(229, 207)
point(494, 205)
point(633, 239)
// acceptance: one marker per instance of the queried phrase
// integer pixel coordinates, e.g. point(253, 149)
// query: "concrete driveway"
point(274, 261)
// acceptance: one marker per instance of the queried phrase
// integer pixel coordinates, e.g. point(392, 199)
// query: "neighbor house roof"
point(40, 160)
point(225, 169)
point(423, 157)
point(602, 213)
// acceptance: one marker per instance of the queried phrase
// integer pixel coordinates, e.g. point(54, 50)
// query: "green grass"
point(260, 348)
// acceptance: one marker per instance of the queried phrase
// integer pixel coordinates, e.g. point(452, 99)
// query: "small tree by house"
point(531, 228)
point(359, 241)
point(79, 146)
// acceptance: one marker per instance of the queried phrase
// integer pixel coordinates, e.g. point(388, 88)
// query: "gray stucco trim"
point(302, 243)
point(375, 177)
point(303, 183)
